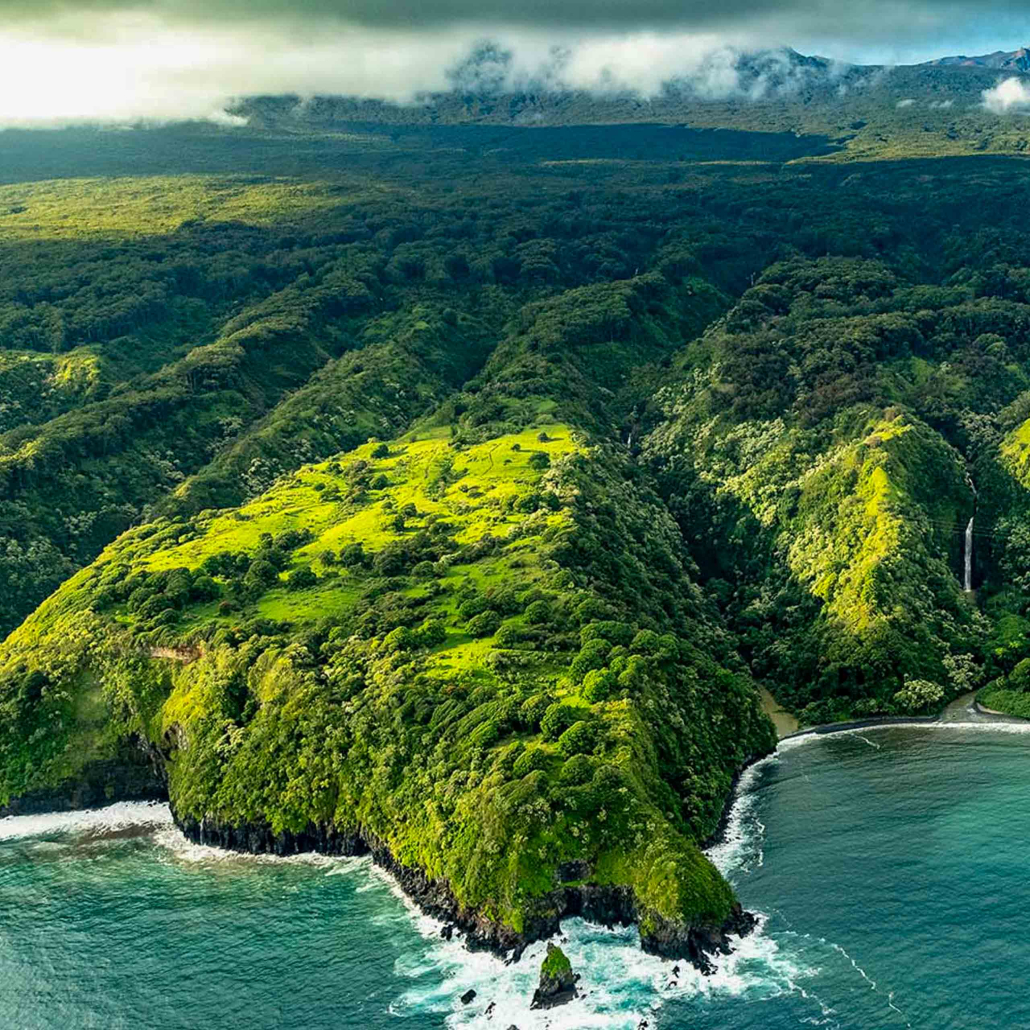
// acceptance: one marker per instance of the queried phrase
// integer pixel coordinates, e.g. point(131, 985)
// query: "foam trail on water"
point(91, 822)
point(620, 985)
point(740, 847)
point(181, 849)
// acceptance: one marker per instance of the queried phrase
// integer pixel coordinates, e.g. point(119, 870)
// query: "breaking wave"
point(93, 822)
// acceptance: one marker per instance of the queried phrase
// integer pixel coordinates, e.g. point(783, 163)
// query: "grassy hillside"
point(490, 658)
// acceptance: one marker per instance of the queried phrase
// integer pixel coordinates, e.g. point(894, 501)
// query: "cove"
point(888, 863)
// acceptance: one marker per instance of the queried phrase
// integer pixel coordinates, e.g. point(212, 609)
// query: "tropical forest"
point(463, 484)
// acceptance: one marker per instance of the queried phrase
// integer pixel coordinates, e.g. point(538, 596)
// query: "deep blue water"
point(890, 867)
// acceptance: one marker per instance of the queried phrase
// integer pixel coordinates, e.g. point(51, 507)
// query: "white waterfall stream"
point(969, 556)
point(967, 582)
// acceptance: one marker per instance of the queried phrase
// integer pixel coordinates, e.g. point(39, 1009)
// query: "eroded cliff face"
point(608, 906)
point(136, 772)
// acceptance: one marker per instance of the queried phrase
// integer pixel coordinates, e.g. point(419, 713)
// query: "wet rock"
point(698, 944)
point(557, 981)
point(490, 1009)
point(468, 997)
point(608, 905)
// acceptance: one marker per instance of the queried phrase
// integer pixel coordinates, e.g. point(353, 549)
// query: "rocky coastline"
point(608, 906)
point(136, 773)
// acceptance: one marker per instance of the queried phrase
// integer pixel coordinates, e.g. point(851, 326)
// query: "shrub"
point(381, 451)
point(539, 461)
point(486, 624)
point(557, 719)
point(261, 574)
point(538, 613)
point(153, 606)
point(593, 655)
point(579, 738)
point(579, 769)
point(431, 633)
point(600, 685)
point(400, 639)
point(424, 570)
point(485, 734)
point(647, 642)
point(301, 579)
point(353, 555)
point(590, 609)
point(533, 758)
point(392, 560)
point(504, 599)
point(472, 606)
point(510, 635)
point(614, 632)
point(205, 589)
point(919, 695)
point(533, 710)
point(1019, 678)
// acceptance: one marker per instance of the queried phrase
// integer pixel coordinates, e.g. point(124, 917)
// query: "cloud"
point(908, 102)
point(124, 75)
point(859, 19)
point(123, 60)
point(141, 69)
point(1010, 96)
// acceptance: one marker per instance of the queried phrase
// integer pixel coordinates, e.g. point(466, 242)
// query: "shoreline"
point(965, 703)
point(607, 905)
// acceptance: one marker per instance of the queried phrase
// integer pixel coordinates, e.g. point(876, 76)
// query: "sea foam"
point(91, 822)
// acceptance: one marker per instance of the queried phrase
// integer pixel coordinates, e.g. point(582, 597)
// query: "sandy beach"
point(784, 722)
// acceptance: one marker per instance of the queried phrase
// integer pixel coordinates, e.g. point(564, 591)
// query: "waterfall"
point(969, 556)
point(968, 580)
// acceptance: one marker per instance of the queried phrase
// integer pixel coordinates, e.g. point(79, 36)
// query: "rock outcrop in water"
point(557, 980)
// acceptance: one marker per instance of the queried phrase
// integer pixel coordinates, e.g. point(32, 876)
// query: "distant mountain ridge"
point(1007, 61)
point(948, 106)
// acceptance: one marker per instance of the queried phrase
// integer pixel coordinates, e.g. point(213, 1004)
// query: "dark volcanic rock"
point(136, 773)
point(468, 997)
point(698, 944)
point(557, 981)
point(607, 906)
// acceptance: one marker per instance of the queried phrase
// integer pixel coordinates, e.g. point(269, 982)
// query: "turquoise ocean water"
point(890, 867)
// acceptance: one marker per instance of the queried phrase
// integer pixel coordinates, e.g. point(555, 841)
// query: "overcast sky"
point(66, 60)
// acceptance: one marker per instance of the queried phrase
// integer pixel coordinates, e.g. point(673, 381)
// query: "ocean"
point(889, 867)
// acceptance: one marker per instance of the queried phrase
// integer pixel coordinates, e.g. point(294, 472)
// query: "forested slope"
point(478, 648)
point(454, 508)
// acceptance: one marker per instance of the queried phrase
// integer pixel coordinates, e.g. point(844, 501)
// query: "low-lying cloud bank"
point(1009, 97)
point(122, 76)
point(118, 61)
